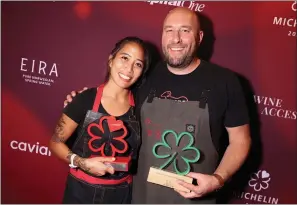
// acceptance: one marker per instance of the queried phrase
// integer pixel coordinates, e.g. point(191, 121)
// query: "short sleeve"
point(81, 103)
point(237, 112)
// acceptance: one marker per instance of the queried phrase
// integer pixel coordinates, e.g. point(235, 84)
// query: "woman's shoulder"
point(84, 98)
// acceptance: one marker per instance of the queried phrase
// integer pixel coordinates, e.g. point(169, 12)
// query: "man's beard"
point(181, 62)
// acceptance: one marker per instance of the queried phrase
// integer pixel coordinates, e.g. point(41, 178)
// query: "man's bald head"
point(181, 37)
point(184, 13)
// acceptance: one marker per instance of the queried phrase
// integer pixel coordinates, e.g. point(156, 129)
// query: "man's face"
point(180, 38)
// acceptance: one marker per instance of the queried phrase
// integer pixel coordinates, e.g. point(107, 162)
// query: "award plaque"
point(120, 164)
point(102, 140)
point(178, 152)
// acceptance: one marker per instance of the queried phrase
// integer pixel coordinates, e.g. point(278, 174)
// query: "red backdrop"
point(52, 48)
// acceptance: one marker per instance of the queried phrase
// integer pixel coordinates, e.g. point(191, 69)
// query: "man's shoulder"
point(155, 74)
point(158, 68)
point(217, 69)
point(217, 72)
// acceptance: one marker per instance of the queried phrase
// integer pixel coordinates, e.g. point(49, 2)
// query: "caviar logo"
point(28, 147)
point(193, 5)
point(39, 72)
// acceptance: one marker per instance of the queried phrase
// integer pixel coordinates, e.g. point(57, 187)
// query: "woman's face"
point(127, 65)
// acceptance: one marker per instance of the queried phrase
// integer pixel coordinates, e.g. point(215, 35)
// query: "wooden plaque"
point(168, 179)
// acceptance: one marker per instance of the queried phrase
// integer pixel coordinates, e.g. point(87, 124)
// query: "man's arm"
point(235, 155)
point(236, 152)
point(237, 124)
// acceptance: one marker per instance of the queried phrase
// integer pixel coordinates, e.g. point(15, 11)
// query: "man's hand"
point(206, 184)
point(72, 95)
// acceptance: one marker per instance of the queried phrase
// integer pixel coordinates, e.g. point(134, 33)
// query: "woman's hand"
point(95, 165)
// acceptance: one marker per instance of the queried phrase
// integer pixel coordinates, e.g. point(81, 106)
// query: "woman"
point(107, 131)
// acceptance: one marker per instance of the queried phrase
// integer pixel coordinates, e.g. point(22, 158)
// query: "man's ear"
point(201, 34)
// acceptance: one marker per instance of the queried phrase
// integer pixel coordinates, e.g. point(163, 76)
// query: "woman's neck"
point(115, 92)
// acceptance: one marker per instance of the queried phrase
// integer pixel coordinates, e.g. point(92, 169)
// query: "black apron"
point(96, 137)
point(159, 115)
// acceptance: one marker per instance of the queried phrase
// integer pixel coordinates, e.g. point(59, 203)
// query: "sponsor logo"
point(259, 181)
point(288, 21)
point(39, 72)
point(193, 5)
point(272, 106)
point(28, 147)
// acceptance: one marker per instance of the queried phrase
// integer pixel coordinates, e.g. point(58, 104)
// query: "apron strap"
point(131, 99)
point(204, 98)
point(151, 95)
point(99, 96)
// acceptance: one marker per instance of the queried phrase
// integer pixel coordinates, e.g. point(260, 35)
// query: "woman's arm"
point(64, 129)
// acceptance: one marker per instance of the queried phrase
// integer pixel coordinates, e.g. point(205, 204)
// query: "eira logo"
point(39, 72)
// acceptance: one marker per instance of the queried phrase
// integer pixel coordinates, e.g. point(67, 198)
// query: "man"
point(185, 94)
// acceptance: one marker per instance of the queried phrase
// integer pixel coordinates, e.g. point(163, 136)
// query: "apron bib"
point(180, 118)
point(104, 135)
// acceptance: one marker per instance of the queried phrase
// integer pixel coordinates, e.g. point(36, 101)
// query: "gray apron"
point(159, 115)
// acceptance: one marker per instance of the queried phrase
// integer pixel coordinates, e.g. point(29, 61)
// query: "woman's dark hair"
point(119, 45)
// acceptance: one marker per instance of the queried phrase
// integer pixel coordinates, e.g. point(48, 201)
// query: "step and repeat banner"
point(51, 48)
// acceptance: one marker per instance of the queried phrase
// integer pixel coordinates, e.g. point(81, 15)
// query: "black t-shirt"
point(227, 105)
point(77, 110)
